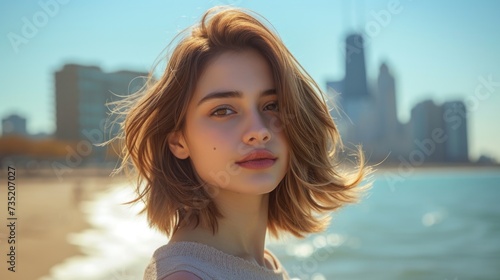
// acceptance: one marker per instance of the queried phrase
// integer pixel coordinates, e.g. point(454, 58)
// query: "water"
point(431, 225)
point(434, 225)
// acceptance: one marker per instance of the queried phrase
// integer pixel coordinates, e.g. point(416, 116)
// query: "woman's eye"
point(272, 106)
point(222, 112)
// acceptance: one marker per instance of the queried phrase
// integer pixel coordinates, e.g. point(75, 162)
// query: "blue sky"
point(435, 49)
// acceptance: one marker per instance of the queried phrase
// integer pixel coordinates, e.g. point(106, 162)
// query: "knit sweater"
point(208, 263)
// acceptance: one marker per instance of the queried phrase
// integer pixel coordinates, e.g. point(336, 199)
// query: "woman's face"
point(233, 135)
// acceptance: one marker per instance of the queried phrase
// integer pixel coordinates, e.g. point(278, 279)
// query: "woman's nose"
point(257, 132)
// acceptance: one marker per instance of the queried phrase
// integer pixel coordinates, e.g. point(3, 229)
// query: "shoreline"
point(438, 168)
point(47, 211)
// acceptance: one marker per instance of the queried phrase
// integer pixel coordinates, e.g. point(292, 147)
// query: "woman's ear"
point(177, 145)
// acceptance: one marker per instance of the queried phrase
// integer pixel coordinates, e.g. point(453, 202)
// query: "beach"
point(47, 211)
point(416, 228)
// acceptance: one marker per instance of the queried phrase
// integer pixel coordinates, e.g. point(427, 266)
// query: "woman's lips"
point(257, 163)
point(258, 159)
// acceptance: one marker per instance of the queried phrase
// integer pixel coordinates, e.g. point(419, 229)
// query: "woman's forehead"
point(242, 71)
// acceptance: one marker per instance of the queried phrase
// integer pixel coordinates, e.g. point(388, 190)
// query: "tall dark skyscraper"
point(357, 120)
point(354, 84)
point(355, 69)
point(386, 99)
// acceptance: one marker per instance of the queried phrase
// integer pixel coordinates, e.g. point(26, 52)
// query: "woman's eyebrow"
point(232, 94)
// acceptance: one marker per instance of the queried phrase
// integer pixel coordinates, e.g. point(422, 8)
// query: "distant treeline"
point(17, 145)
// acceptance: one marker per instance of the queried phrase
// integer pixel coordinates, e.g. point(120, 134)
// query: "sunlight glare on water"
point(119, 238)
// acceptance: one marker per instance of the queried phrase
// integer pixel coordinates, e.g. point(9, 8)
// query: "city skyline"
point(434, 133)
point(433, 55)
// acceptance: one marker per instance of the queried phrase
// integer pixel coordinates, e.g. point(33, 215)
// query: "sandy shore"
point(47, 210)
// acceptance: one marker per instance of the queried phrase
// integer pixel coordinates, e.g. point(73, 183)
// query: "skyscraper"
point(441, 131)
point(354, 84)
point(455, 119)
point(355, 69)
point(358, 121)
point(427, 122)
point(386, 100)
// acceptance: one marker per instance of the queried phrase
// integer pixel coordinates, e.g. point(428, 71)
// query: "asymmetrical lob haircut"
point(316, 181)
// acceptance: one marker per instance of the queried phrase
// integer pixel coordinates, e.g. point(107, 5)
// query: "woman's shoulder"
point(272, 261)
point(206, 262)
point(176, 260)
point(182, 275)
point(184, 249)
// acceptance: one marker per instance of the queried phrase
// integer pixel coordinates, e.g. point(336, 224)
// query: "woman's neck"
point(242, 230)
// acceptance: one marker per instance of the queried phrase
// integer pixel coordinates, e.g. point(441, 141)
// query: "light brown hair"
point(313, 184)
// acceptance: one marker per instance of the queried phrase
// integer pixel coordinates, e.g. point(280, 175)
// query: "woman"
point(233, 141)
